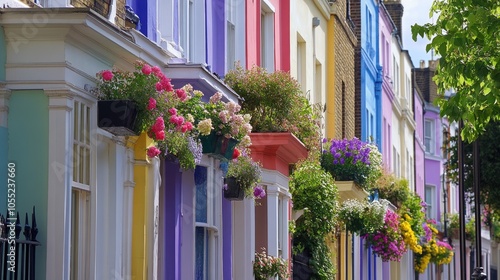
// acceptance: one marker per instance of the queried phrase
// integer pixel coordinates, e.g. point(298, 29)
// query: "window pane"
point(75, 120)
point(201, 253)
point(200, 175)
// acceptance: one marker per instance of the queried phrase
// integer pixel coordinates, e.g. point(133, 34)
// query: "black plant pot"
point(233, 190)
point(301, 268)
point(117, 116)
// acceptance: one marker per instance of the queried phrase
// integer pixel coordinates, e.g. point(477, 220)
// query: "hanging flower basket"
point(117, 116)
point(208, 142)
point(218, 146)
point(232, 190)
point(225, 147)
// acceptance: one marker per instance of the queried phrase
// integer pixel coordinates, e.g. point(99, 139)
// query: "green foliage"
point(313, 190)
point(413, 207)
point(394, 189)
point(465, 36)
point(489, 153)
point(246, 171)
point(276, 103)
point(265, 267)
point(363, 217)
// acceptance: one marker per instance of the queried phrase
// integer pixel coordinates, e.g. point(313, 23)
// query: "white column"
point(153, 216)
point(243, 239)
point(272, 220)
point(59, 187)
point(284, 225)
point(128, 203)
point(120, 178)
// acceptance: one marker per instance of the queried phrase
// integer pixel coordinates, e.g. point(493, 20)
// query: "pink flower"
point(153, 151)
point(181, 94)
point(160, 135)
point(189, 125)
point(151, 104)
point(159, 125)
point(180, 120)
point(107, 75)
point(173, 119)
point(146, 69)
point(172, 111)
point(159, 86)
point(184, 128)
point(166, 85)
point(156, 70)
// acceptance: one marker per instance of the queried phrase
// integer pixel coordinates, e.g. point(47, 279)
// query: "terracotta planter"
point(117, 116)
point(233, 190)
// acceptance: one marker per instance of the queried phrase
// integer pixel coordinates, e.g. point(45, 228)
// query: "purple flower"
point(259, 192)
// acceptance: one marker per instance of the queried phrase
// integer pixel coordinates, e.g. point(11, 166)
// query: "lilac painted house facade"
point(205, 38)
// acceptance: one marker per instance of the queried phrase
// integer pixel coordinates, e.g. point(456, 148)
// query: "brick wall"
point(344, 45)
point(103, 8)
point(423, 79)
point(356, 18)
point(395, 9)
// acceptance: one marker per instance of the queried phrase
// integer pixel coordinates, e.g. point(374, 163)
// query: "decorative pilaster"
point(59, 184)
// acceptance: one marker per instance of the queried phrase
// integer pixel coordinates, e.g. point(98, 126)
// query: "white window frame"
point(431, 202)
point(429, 140)
point(213, 225)
point(267, 35)
point(301, 62)
point(230, 34)
point(82, 198)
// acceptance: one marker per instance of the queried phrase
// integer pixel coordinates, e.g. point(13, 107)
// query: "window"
point(267, 35)
point(80, 194)
point(207, 247)
point(231, 35)
point(429, 136)
point(301, 62)
point(368, 27)
point(395, 76)
point(186, 28)
point(318, 87)
point(394, 160)
point(429, 200)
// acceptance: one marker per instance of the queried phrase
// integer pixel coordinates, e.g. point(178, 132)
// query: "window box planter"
point(117, 116)
point(218, 146)
point(349, 190)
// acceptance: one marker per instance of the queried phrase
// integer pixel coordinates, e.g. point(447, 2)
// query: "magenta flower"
point(172, 111)
point(151, 104)
point(107, 75)
point(166, 85)
point(146, 69)
point(160, 135)
point(153, 151)
point(181, 94)
point(156, 70)
point(159, 125)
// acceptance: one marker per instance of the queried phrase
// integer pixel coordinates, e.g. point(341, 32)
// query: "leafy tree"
point(489, 166)
point(466, 35)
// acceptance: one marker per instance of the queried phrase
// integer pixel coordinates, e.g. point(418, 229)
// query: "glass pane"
point(201, 254)
point(86, 178)
point(74, 236)
point(75, 163)
point(200, 175)
point(81, 163)
point(87, 127)
point(82, 119)
point(75, 121)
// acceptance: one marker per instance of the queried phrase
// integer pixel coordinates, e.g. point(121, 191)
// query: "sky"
point(415, 11)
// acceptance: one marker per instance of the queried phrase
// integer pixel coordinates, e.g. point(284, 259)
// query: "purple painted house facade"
point(195, 221)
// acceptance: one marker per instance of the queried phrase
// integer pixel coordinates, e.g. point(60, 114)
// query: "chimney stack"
point(422, 64)
point(396, 9)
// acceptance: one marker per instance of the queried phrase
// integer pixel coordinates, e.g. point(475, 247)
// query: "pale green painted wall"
point(3, 173)
point(28, 138)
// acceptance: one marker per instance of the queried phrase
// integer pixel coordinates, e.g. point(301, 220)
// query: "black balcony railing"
point(17, 254)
